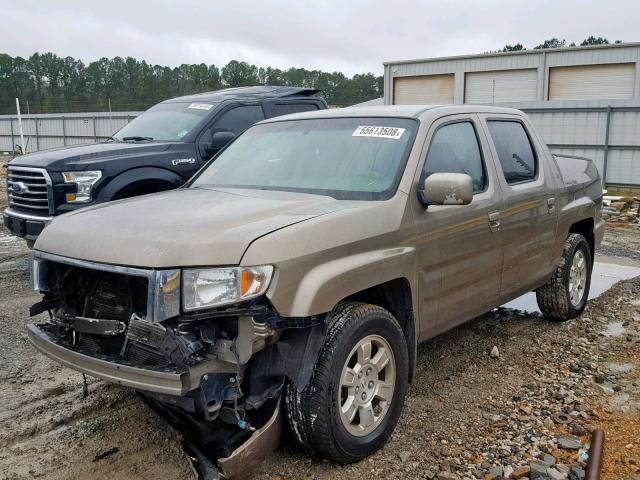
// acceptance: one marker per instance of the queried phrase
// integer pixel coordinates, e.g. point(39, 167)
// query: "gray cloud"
point(348, 36)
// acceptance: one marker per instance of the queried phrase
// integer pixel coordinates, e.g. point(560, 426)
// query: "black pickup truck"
point(159, 150)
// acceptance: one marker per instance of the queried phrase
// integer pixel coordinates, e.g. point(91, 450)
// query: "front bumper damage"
point(216, 375)
point(170, 383)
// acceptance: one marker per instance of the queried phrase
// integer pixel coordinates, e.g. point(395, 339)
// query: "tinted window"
point(455, 149)
point(284, 108)
point(514, 150)
point(238, 119)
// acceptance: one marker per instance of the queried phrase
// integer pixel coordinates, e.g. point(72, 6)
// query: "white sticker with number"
point(201, 106)
point(378, 132)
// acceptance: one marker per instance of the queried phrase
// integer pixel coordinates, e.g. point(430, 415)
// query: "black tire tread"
point(317, 437)
point(553, 297)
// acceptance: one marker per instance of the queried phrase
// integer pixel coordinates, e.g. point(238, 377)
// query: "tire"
point(314, 414)
point(555, 297)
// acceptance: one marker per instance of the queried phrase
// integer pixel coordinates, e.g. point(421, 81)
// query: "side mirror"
point(218, 140)
point(447, 189)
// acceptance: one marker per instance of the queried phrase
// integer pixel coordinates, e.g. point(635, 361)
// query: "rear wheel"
point(565, 295)
point(354, 399)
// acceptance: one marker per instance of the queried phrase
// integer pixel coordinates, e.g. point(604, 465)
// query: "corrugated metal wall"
point(42, 132)
point(606, 130)
point(595, 129)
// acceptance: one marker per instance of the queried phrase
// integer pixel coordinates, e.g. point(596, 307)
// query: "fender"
point(137, 176)
point(322, 287)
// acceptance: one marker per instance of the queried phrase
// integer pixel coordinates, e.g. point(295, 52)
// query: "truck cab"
point(159, 150)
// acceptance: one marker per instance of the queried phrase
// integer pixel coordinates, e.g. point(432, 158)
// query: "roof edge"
point(519, 52)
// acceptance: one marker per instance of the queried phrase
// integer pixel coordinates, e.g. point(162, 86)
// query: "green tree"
point(513, 48)
point(239, 74)
point(591, 40)
point(551, 43)
point(49, 83)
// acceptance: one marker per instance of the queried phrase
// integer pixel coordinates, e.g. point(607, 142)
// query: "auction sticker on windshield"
point(201, 106)
point(378, 132)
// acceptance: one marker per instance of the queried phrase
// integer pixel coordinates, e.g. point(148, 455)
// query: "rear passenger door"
point(528, 219)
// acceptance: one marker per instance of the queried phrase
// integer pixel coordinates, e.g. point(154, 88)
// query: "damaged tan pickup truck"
point(306, 261)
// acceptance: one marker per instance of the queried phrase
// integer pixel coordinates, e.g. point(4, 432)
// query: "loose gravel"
point(524, 411)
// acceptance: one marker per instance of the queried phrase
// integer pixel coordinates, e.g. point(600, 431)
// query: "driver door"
point(458, 248)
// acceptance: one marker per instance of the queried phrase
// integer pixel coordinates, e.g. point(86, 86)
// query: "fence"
point(46, 131)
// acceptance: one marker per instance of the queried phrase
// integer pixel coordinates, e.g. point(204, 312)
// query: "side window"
point(516, 155)
point(238, 119)
point(278, 109)
point(455, 149)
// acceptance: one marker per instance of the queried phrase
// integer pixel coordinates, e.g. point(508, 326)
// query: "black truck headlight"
point(212, 287)
point(84, 181)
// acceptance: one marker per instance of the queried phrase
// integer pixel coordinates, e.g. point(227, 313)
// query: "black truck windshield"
point(169, 122)
point(346, 158)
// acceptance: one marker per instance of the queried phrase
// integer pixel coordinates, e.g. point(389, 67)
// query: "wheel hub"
point(577, 278)
point(367, 383)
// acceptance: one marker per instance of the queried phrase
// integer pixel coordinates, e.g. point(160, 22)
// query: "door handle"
point(494, 221)
point(551, 204)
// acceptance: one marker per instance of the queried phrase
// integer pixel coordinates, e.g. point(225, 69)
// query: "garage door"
point(500, 86)
point(423, 90)
point(588, 82)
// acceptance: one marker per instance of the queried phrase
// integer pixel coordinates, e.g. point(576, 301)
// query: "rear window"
point(286, 108)
point(516, 155)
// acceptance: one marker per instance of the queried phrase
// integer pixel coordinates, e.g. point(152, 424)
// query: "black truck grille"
point(29, 189)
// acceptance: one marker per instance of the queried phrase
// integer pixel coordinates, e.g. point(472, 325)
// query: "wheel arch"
point(396, 297)
point(137, 178)
point(585, 227)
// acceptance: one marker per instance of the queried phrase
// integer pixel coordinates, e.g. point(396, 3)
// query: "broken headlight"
point(213, 287)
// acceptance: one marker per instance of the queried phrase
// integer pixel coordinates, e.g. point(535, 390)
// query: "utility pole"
point(109, 105)
point(20, 126)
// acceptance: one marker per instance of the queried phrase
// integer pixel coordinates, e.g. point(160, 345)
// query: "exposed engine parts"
point(231, 363)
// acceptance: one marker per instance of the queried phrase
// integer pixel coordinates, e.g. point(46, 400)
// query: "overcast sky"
point(349, 36)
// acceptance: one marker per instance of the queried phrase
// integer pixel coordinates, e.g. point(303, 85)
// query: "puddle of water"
point(603, 278)
point(614, 329)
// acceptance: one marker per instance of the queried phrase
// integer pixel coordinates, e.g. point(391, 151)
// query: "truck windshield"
point(169, 122)
point(345, 158)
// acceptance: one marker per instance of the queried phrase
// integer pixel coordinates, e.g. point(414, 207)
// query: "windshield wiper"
point(138, 139)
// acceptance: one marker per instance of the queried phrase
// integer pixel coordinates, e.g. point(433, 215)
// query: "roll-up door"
point(589, 82)
point(423, 90)
point(501, 86)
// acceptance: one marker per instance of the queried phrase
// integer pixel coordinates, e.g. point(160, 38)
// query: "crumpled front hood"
point(184, 227)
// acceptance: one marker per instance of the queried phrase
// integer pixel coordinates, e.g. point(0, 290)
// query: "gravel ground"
point(468, 414)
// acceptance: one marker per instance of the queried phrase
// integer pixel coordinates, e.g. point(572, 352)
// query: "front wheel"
point(354, 399)
point(565, 295)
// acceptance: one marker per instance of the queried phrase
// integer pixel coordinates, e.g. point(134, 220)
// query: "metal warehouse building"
point(584, 100)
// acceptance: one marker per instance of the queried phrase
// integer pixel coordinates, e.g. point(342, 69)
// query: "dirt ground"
point(466, 416)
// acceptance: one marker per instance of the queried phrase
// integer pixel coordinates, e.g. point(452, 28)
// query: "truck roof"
point(411, 111)
point(257, 92)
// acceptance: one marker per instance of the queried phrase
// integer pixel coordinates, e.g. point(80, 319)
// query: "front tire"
point(565, 295)
point(352, 403)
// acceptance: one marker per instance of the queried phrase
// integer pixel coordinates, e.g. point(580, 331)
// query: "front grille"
point(29, 189)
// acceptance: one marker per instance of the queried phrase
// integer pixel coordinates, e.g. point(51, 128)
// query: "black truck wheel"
point(565, 295)
point(353, 401)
